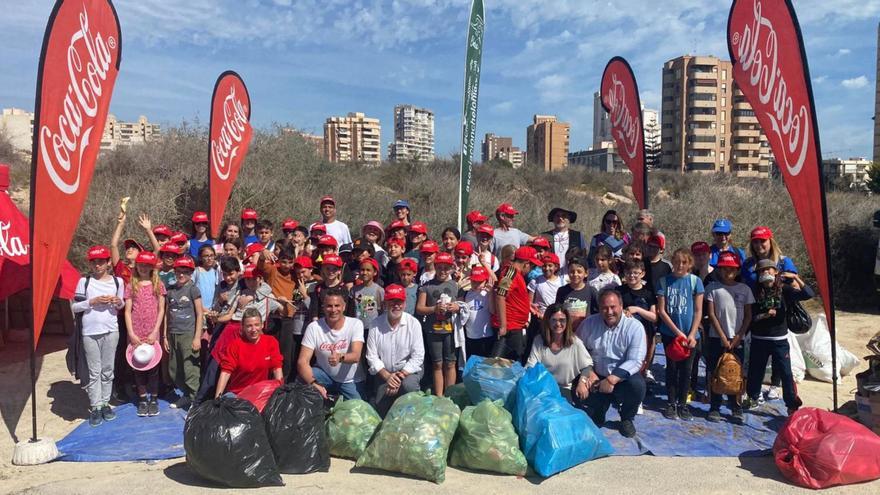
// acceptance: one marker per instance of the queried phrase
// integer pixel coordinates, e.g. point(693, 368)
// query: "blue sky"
point(305, 60)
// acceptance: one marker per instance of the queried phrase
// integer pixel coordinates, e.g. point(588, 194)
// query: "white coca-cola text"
point(62, 146)
point(757, 56)
point(11, 246)
point(625, 126)
point(224, 149)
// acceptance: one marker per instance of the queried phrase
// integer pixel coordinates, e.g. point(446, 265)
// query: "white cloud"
point(855, 82)
point(553, 88)
point(844, 51)
point(502, 108)
point(820, 79)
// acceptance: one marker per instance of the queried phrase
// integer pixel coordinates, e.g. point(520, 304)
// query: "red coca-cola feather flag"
point(82, 49)
point(230, 136)
point(620, 98)
point(770, 68)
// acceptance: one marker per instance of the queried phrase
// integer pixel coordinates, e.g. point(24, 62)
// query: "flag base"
point(34, 452)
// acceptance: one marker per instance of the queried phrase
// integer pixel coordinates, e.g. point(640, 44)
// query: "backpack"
point(75, 357)
point(727, 379)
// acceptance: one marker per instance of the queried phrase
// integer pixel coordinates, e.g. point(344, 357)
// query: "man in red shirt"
point(250, 358)
point(512, 305)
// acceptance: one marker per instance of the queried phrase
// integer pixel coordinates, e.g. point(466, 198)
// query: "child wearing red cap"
point(183, 337)
point(656, 267)
point(123, 263)
point(368, 295)
point(438, 306)
point(474, 219)
point(99, 297)
point(427, 253)
point(249, 219)
point(463, 254)
point(485, 245)
point(479, 336)
point(391, 273)
point(331, 276)
point(199, 236)
point(542, 290)
point(144, 315)
point(406, 272)
point(168, 254)
point(418, 233)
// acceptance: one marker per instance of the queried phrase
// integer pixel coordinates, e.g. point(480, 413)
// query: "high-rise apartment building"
point(413, 134)
point(501, 147)
point(354, 138)
point(547, 143)
point(707, 124)
point(601, 124)
point(18, 126)
point(118, 133)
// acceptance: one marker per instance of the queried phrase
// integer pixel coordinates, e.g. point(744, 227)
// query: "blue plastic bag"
point(554, 435)
point(493, 379)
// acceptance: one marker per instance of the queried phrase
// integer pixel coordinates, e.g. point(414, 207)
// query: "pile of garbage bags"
point(295, 425)
point(487, 441)
point(492, 378)
point(414, 438)
point(350, 426)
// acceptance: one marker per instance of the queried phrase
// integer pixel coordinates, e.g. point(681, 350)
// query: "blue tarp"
point(128, 437)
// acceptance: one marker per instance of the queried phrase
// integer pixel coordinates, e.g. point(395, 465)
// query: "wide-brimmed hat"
point(572, 216)
point(144, 357)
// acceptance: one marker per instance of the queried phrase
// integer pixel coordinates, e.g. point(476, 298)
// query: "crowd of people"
point(392, 310)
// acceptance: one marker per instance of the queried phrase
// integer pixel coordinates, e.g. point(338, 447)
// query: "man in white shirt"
point(336, 342)
point(395, 350)
point(337, 229)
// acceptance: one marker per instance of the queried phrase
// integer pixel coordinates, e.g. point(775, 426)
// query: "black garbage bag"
point(225, 442)
point(294, 419)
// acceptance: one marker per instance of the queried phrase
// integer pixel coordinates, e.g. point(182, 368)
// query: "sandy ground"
point(61, 404)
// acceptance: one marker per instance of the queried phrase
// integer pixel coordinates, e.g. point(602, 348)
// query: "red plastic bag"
point(258, 394)
point(818, 449)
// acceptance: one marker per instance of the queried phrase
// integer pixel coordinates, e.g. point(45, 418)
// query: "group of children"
point(181, 301)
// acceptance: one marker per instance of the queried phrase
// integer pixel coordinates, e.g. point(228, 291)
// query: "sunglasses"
point(611, 221)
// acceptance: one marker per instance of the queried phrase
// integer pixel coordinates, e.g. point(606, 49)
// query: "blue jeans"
point(351, 390)
point(779, 352)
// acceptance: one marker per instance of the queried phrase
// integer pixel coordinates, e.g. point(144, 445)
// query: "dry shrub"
point(282, 177)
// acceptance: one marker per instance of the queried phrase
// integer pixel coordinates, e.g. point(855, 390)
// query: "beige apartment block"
point(118, 133)
point(18, 126)
point(413, 134)
point(354, 138)
point(707, 124)
point(547, 143)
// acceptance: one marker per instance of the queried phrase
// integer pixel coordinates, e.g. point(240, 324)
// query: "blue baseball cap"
point(721, 225)
point(401, 203)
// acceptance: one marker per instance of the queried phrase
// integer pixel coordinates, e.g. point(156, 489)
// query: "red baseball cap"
point(700, 247)
point(479, 274)
point(475, 216)
point(328, 199)
point(327, 240)
point(419, 228)
point(253, 249)
point(728, 259)
point(162, 230)
point(486, 229)
point(146, 258)
point(185, 262)
point(398, 241)
point(408, 264)
point(507, 209)
point(464, 248)
point(763, 233)
point(527, 253)
point(429, 247)
point(318, 227)
point(395, 292)
point(332, 259)
point(444, 259)
point(249, 214)
point(397, 224)
point(657, 241)
point(550, 258)
point(170, 248)
point(303, 262)
point(178, 238)
point(372, 262)
point(132, 243)
point(200, 217)
point(251, 271)
point(541, 242)
point(98, 253)
point(289, 224)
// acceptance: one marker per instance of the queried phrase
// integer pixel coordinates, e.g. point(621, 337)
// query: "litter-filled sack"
point(350, 426)
point(816, 348)
point(414, 438)
point(492, 378)
point(818, 449)
point(458, 393)
point(295, 423)
point(553, 434)
point(225, 442)
point(487, 441)
point(258, 393)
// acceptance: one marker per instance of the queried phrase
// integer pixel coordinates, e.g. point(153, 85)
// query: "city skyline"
point(301, 66)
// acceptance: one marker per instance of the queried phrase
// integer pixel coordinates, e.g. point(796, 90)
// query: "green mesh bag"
point(487, 441)
point(350, 426)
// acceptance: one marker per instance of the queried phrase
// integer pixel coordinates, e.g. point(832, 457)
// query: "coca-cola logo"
point(625, 126)
point(757, 52)
point(11, 246)
point(224, 148)
point(62, 145)
point(334, 346)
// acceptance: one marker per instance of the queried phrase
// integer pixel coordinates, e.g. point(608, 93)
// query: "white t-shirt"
point(545, 290)
point(599, 280)
point(100, 318)
point(489, 258)
point(479, 325)
point(730, 302)
point(339, 231)
point(322, 340)
point(426, 277)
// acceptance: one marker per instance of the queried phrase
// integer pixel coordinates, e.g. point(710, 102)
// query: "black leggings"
point(678, 375)
point(147, 380)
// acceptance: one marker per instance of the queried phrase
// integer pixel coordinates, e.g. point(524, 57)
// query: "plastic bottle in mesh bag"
point(350, 426)
point(487, 441)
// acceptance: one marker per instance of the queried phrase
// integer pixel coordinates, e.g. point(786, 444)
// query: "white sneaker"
point(649, 377)
point(761, 400)
point(640, 411)
point(773, 393)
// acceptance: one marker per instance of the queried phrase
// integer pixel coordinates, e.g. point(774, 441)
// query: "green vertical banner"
point(473, 60)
